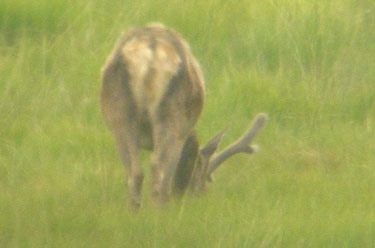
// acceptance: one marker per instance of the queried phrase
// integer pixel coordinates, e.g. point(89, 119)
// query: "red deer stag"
point(152, 96)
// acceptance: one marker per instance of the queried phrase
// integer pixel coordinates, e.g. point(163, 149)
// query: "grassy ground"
point(308, 64)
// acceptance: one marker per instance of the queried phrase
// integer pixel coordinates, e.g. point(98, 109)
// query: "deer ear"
point(209, 149)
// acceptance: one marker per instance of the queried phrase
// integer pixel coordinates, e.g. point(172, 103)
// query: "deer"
point(152, 96)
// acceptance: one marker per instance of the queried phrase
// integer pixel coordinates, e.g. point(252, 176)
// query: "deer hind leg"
point(168, 144)
point(120, 113)
point(128, 149)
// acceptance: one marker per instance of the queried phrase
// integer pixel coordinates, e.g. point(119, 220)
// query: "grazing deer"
point(152, 96)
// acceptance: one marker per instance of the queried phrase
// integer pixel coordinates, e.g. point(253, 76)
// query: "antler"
point(242, 145)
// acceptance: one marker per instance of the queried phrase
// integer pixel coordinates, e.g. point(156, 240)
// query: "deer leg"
point(168, 145)
point(186, 164)
point(128, 150)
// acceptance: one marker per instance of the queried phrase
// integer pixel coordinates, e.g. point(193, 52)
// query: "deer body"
point(152, 96)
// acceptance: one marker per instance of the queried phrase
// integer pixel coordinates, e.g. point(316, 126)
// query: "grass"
point(308, 64)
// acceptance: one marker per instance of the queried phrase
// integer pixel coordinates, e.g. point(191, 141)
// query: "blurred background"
point(309, 64)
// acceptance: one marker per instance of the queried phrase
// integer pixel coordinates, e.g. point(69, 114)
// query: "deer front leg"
point(128, 149)
point(186, 165)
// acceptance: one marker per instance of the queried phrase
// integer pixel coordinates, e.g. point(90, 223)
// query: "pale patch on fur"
point(150, 70)
point(156, 25)
point(138, 56)
point(165, 66)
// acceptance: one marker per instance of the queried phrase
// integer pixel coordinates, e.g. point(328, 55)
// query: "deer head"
point(208, 160)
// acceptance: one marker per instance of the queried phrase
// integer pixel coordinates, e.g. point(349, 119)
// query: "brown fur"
point(152, 96)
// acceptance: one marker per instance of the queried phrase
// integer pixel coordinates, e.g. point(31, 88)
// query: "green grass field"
point(309, 64)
